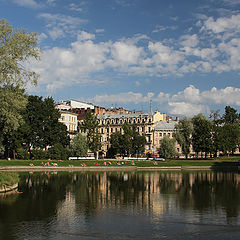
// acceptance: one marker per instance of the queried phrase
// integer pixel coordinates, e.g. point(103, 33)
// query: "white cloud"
point(189, 41)
point(27, 3)
point(160, 28)
point(124, 53)
point(189, 102)
point(186, 109)
point(51, 2)
point(41, 37)
point(85, 36)
point(123, 98)
point(202, 52)
point(60, 25)
point(192, 101)
point(75, 7)
point(100, 30)
point(226, 96)
point(222, 24)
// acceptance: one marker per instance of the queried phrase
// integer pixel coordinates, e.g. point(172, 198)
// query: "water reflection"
point(126, 205)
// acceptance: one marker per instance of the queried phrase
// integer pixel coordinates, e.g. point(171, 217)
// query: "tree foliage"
point(17, 47)
point(130, 142)
point(167, 147)
point(184, 130)
point(202, 134)
point(91, 127)
point(78, 146)
point(229, 138)
point(44, 129)
point(13, 102)
point(230, 115)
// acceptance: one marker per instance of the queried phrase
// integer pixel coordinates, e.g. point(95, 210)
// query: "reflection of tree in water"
point(93, 191)
point(204, 190)
point(38, 201)
point(201, 191)
point(43, 194)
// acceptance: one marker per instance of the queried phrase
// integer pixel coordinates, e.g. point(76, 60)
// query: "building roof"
point(131, 115)
point(67, 112)
point(165, 125)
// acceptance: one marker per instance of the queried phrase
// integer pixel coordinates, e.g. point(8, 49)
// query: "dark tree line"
point(39, 135)
point(220, 133)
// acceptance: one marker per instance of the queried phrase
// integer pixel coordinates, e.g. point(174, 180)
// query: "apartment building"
point(162, 129)
point(109, 124)
point(71, 122)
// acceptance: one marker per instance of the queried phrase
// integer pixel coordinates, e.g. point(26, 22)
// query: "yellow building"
point(144, 122)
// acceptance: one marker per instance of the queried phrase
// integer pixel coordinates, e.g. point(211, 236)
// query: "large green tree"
point(90, 126)
point(229, 138)
point(167, 147)
point(13, 101)
point(78, 146)
point(183, 135)
point(44, 128)
point(202, 135)
point(230, 115)
point(17, 47)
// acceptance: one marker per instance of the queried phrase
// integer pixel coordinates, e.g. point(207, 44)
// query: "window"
point(169, 134)
point(149, 129)
point(160, 134)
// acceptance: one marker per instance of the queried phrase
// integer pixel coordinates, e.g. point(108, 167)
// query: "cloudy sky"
point(183, 55)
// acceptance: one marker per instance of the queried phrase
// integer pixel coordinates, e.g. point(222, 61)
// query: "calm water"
point(123, 205)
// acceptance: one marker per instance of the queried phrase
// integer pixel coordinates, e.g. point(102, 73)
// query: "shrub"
point(22, 153)
point(39, 154)
point(58, 152)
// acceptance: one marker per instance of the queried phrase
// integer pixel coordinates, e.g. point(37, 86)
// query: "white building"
point(70, 120)
point(76, 104)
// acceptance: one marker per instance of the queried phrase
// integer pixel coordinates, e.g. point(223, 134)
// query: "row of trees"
point(40, 135)
point(127, 143)
point(220, 133)
point(38, 130)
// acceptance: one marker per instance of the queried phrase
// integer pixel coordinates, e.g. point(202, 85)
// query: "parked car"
point(159, 159)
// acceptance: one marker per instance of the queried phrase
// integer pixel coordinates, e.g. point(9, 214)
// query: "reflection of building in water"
point(152, 192)
point(67, 208)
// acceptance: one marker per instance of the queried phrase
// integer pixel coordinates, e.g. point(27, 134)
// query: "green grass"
point(232, 161)
point(8, 178)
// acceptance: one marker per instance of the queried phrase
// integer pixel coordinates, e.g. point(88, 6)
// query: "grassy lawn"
point(8, 178)
point(232, 161)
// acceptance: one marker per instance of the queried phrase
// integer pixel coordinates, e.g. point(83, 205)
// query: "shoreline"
point(111, 168)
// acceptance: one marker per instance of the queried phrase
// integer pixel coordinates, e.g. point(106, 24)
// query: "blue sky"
point(181, 54)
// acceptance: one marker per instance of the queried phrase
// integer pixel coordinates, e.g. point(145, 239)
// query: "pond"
point(123, 205)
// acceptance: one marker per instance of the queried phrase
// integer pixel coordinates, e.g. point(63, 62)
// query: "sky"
point(181, 55)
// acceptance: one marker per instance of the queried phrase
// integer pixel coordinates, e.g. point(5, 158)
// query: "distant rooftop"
point(165, 125)
point(131, 115)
